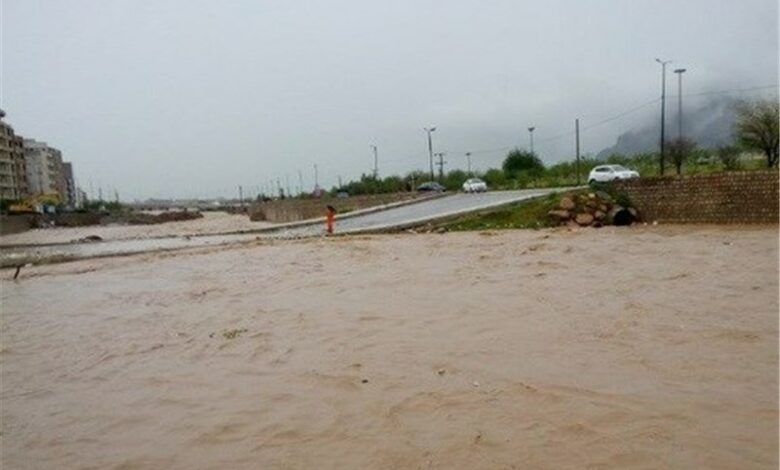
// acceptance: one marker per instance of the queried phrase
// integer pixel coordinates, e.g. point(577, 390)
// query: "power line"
point(620, 115)
point(726, 92)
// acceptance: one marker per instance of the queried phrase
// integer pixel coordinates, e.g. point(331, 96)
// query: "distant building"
point(13, 175)
point(45, 173)
point(71, 197)
point(81, 198)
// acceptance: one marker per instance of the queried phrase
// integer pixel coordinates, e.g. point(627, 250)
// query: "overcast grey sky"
point(191, 98)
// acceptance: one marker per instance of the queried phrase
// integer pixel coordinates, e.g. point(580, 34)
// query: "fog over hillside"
point(709, 123)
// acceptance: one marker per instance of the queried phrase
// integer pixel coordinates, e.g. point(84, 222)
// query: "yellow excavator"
point(35, 203)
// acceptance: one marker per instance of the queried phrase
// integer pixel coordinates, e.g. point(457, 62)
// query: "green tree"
point(454, 180)
point(679, 151)
point(495, 178)
point(519, 162)
point(757, 128)
point(729, 157)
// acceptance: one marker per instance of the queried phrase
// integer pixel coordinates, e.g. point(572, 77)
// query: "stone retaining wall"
point(742, 197)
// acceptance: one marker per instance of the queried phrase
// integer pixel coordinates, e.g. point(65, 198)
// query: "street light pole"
point(577, 144)
point(430, 148)
point(468, 161)
point(376, 162)
point(663, 110)
point(531, 133)
point(679, 73)
point(441, 165)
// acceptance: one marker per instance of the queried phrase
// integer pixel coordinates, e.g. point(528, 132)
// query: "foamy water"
point(589, 349)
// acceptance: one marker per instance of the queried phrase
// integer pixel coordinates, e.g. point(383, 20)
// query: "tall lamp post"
point(376, 161)
point(531, 134)
point(663, 110)
point(430, 148)
point(468, 162)
point(679, 73)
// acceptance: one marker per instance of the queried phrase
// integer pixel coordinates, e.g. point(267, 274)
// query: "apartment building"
point(71, 198)
point(45, 173)
point(13, 174)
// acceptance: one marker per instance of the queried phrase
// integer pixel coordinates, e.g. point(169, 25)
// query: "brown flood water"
point(633, 348)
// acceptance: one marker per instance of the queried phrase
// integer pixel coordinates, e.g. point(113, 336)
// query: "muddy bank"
point(211, 222)
point(506, 349)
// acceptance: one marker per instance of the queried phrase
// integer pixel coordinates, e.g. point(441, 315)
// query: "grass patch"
point(525, 214)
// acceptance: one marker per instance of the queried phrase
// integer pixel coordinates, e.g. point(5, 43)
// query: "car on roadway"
point(431, 187)
point(605, 173)
point(474, 185)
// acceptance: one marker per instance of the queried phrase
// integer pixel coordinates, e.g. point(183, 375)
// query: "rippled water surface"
point(633, 348)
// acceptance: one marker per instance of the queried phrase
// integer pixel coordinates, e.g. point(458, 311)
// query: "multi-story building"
point(45, 173)
point(13, 176)
point(70, 184)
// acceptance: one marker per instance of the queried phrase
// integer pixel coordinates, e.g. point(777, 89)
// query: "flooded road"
point(410, 214)
point(611, 348)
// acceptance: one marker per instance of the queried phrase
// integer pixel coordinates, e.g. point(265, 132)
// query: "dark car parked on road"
point(431, 186)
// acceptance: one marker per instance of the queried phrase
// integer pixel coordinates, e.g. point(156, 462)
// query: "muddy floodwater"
point(650, 347)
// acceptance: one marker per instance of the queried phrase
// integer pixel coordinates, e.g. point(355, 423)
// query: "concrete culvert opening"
point(622, 217)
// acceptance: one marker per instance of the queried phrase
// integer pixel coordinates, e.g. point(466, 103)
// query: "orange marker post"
point(329, 218)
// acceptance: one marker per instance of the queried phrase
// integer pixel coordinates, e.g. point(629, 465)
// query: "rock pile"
point(591, 209)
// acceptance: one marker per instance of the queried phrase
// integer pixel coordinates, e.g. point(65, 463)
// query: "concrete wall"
point(16, 223)
point(744, 197)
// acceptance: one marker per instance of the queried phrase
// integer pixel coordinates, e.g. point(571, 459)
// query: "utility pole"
point(300, 182)
point(663, 111)
point(441, 166)
point(468, 162)
point(287, 184)
point(531, 134)
point(679, 73)
point(430, 147)
point(240, 196)
point(376, 162)
point(577, 134)
point(316, 179)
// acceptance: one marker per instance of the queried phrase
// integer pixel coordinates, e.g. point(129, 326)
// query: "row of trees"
point(756, 131)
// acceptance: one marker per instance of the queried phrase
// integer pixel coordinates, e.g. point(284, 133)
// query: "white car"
point(474, 185)
point(604, 173)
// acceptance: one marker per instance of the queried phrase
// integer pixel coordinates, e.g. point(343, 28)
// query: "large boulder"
point(566, 203)
point(584, 219)
point(604, 196)
point(559, 215)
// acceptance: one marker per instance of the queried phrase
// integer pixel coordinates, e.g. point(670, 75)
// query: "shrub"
point(519, 162)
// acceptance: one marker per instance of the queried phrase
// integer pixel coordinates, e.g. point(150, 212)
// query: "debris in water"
point(233, 334)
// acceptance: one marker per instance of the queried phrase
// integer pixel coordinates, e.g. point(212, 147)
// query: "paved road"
point(420, 213)
point(404, 216)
